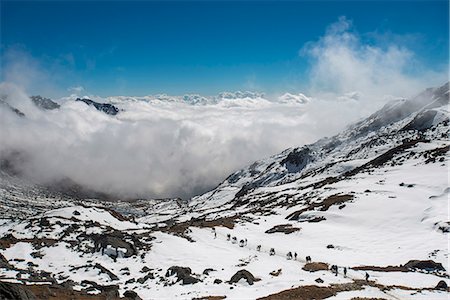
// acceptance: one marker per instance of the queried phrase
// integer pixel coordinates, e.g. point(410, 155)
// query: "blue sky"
point(146, 47)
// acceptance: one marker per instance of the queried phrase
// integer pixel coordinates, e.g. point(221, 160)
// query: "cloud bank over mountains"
point(180, 146)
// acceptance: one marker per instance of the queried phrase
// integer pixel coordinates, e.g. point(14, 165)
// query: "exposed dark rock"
point(285, 228)
point(145, 278)
point(44, 103)
point(145, 269)
point(217, 281)
point(243, 274)
point(427, 265)
point(207, 271)
point(13, 109)
point(132, 295)
point(116, 240)
point(104, 107)
point(276, 273)
point(297, 159)
point(4, 262)
point(10, 291)
point(422, 121)
point(330, 246)
point(442, 285)
point(319, 280)
point(183, 274)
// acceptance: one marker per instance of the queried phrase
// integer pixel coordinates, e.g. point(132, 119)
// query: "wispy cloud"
point(342, 62)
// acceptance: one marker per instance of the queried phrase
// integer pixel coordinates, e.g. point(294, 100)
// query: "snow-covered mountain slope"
point(372, 200)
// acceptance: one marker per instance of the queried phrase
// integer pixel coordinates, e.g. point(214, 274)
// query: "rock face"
point(104, 107)
point(13, 109)
point(243, 274)
point(427, 265)
point(44, 103)
point(183, 274)
point(9, 291)
point(4, 262)
point(297, 160)
point(114, 240)
point(442, 285)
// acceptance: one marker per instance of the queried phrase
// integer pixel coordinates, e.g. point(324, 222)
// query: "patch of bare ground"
point(364, 298)
point(315, 266)
point(313, 292)
point(182, 229)
point(310, 292)
point(53, 292)
point(410, 266)
point(323, 205)
point(284, 228)
point(381, 269)
point(210, 298)
point(8, 240)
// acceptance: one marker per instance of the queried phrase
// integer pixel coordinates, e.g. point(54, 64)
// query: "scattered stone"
point(275, 273)
point(330, 246)
point(319, 280)
point(217, 281)
point(145, 278)
point(207, 271)
point(37, 254)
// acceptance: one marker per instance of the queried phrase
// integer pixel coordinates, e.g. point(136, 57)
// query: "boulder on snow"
point(131, 295)
point(427, 265)
point(183, 274)
point(243, 274)
point(442, 285)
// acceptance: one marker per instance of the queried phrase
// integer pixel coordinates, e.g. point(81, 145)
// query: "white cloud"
point(343, 63)
point(76, 89)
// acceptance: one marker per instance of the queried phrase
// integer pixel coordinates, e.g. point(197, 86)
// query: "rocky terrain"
point(361, 215)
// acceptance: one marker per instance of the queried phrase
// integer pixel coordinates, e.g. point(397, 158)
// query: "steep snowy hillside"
point(363, 214)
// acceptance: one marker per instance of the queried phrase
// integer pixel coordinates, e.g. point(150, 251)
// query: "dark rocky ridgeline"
point(6, 105)
point(104, 107)
point(44, 103)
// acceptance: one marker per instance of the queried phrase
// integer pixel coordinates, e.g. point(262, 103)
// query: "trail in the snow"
point(215, 234)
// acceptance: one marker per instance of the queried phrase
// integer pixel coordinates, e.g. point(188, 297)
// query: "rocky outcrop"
point(442, 285)
point(44, 103)
point(10, 291)
point(243, 274)
point(104, 107)
point(297, 159)
point(183, 274)
point(427, 265)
